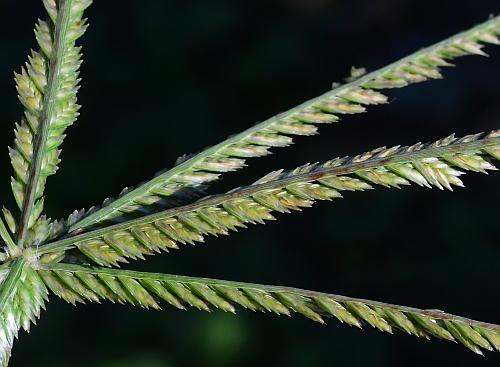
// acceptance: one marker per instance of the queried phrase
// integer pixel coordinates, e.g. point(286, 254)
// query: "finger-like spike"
point(360, 91)
point(199, 292)
point(47, 88)
point(432, 164)
point(22, 297)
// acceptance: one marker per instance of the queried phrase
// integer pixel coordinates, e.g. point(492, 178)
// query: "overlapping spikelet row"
point(438, 164)
point(351, 98)
point(21, 309)
point(79, 284)
point(47, 88)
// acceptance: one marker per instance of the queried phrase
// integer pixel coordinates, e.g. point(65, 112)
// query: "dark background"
point(163, 78)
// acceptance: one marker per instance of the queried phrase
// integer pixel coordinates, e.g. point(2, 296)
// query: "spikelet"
point(439, 164)
point(75, 283)
point(352, 98)
point(47, 86)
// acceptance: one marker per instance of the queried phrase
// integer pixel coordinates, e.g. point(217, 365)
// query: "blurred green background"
point(163, 78)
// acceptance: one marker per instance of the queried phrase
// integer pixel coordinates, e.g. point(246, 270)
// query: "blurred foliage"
point(221, 66)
